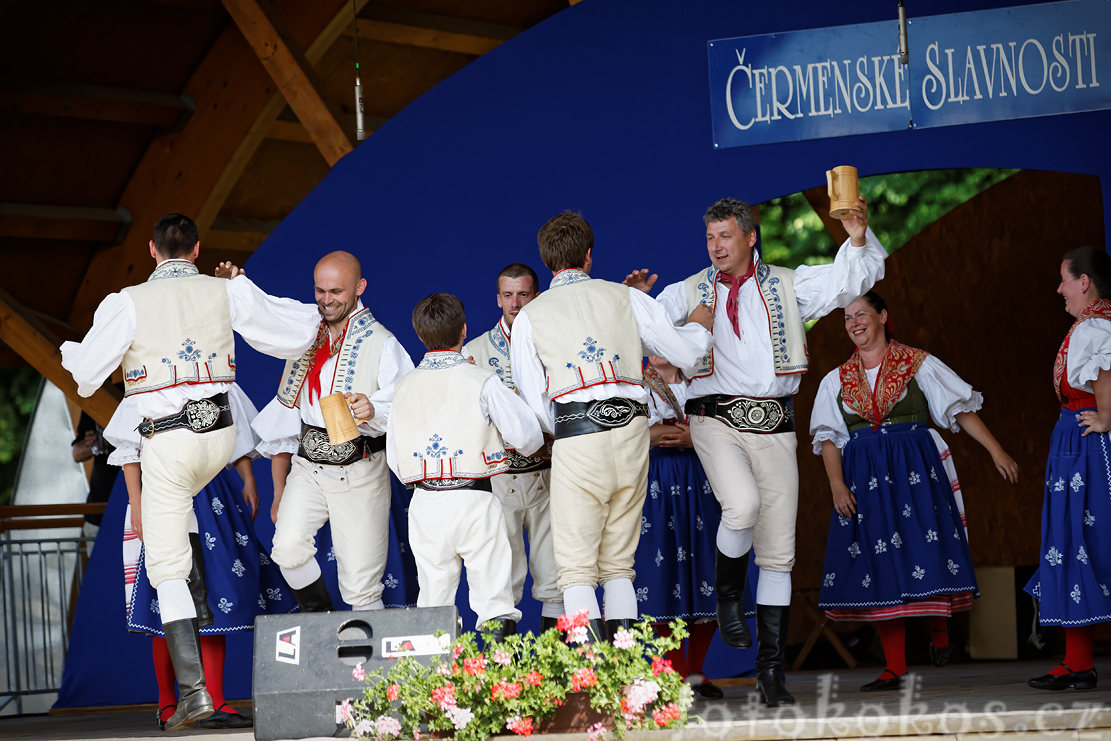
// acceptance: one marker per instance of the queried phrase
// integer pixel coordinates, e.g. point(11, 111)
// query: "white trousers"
point(448, 529)
point(756, 479)
point(524, 506)
point(355, 499)
point(176, 465)
point(599, 482)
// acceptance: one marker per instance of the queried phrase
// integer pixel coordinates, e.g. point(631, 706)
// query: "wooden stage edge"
point(973, 701)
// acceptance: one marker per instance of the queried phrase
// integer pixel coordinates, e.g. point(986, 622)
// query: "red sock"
point(1078, 651)
point(212, 657)
point(939, 631)
point(699, 644)
point(164, 676)
point(893, 636)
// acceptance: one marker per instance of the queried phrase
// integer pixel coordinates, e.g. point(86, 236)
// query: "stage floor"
point(963, 702)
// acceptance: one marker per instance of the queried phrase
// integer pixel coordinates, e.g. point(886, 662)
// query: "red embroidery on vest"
point(899, 365)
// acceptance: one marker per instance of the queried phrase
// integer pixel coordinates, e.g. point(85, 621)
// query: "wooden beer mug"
point(844, 190)
point(338, 419)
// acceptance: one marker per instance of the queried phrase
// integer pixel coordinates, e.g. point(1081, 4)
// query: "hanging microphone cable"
point(904, 52)
point(360, 128)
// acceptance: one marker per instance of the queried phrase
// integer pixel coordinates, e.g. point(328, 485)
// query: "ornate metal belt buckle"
point(201, 415)
point(758, 415)
point(610, 414)
point(317, 448)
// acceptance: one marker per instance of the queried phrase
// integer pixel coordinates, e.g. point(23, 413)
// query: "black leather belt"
point(315, 446)
point(451, 484)
point(585, 417)
point(202, 415)
point(527, 463)
point(746, 414)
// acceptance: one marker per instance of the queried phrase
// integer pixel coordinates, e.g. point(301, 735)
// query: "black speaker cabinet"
point(303, 662)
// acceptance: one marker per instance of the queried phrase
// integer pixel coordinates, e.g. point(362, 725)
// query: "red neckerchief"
point(1099, 308)
point(324, 350)
point(735, 282)
point(898, 366)
point(657, 384)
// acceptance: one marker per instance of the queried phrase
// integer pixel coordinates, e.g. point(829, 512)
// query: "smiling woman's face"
point(864, 325)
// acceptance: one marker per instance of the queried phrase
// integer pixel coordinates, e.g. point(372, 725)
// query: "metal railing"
point(40, 577)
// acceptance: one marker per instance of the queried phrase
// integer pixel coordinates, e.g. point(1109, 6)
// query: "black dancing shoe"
point(889, 680)
point(1085, 680)
point(704, 689)
point(940, 656)
point(226, 717)
point(159, 721)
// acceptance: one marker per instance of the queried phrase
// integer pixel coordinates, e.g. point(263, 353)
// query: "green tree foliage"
point(900, 205)
point(19, 389)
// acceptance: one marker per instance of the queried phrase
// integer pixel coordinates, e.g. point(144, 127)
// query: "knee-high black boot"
point(499, 629)
point(193, 702)
point(197, 588)
point(771, 637)
point(314, 597)
point(732, 573)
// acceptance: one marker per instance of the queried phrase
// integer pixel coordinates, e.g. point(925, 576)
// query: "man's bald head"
point(339, 282)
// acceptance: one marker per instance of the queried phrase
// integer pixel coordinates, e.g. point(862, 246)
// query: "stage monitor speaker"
point(303, 662)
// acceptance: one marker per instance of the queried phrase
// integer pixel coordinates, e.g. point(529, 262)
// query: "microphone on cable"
point(360, 126)
point(904, 52)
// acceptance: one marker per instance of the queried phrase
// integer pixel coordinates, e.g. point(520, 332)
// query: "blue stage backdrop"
point(604, 108)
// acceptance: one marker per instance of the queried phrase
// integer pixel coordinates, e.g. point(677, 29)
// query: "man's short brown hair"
point(175, 235)
point(519, 270)
point(438, 319)
point(565, 241)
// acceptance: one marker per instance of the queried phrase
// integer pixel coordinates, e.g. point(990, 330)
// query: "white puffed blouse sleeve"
point(826, 420)
point(947, 393)
point(1089, 352)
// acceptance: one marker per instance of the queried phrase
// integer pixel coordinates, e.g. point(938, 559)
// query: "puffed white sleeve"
point(1089, 352)
point(674, 301)
point(947, 393)
point(518, 425)
point(826, 419)
point(243, 413)
point(528, 372)
point(394, 364)
point(93, 359)
point(278, 428)
point(280, 327)
point(122, 432)
point(820, 289)
point(683, 345)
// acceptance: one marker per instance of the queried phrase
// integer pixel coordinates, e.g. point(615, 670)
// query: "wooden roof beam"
point(39, 348)
point(192, 171)
point(294, 131)
point(289, 68)
point(77, 223)
point(432, 31)
point(97, 103)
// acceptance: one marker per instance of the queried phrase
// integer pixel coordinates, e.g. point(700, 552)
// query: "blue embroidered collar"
point(173, 269)
point(440, 359)
point(568, 276)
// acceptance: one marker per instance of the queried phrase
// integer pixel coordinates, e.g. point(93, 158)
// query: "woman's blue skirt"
point(906, 541)
point(1073, 580)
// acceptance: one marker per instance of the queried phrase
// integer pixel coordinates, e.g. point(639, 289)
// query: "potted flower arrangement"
point(518, 684)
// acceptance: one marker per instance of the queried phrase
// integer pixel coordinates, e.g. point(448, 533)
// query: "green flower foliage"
point(19, 389)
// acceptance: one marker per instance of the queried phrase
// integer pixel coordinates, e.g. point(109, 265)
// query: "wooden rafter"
point(260, 129)
point(181, 170)
point(292, 72)
point(39, 347)
point(79, 223)
point(432, 31)
point(97, 103)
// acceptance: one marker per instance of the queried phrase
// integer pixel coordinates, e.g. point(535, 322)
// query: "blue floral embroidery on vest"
point(435, 449)
point(707, 294)
point(567, 277)
point(438, 360)
point(189, 351)
point(174, 269)
point(592, 352)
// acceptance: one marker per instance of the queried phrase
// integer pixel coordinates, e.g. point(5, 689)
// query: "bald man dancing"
point(315, 481)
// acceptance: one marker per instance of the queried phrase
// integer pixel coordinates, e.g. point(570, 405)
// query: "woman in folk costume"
point(897, 543)
point(1073, 580)
point(232, 575)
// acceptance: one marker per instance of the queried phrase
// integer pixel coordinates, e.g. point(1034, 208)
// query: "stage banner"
point(1034, 60)
point(1037, 60)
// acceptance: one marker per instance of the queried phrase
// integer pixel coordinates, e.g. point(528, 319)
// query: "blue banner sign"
point(1035, 60)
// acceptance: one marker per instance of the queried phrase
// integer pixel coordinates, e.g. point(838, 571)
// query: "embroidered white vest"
point(785, 327)
point(439, 431)
point(356, 367)
point(182, 331)
point(585, 334)
point(490, 350)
